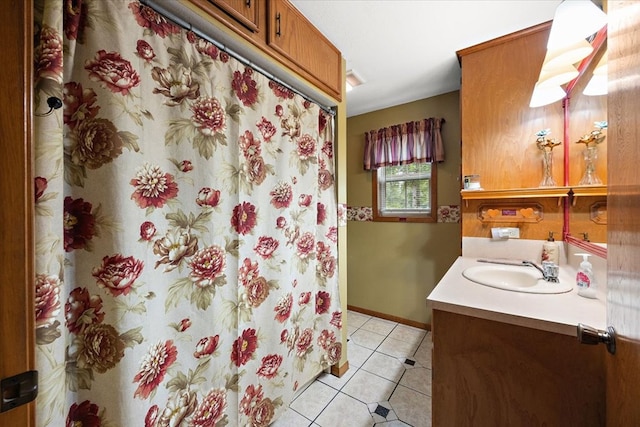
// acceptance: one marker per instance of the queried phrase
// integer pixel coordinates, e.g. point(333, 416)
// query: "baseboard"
point(420, 325)
point(339, 371)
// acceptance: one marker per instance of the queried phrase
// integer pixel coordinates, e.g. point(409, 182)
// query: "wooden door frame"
point(17, 315)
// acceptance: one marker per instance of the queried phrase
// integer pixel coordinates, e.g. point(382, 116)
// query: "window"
point(405, 193)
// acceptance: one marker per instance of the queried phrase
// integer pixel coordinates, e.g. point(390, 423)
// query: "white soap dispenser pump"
point(585, 279)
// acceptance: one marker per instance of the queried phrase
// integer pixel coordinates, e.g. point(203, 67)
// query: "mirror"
point(588, 210)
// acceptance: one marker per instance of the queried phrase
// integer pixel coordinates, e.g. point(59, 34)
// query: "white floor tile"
point(291, 419)
point(367, 339)
point(411, 407)
point(408, 333)
point(356, 319)
point(337, 382)
point(369, 388)
point(345, 411)
point(387, 367)
point(379, 326)
point(301, 389)
point(424, 353)
point(313, 400)
point(397, 348)
point(418, 379)
point(351, 329)
point(394, 423)
point(357, 354)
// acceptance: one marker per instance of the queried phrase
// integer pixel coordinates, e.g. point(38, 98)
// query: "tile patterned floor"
point(388, 382)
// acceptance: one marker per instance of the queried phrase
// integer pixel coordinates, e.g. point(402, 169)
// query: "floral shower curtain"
point(186, 227)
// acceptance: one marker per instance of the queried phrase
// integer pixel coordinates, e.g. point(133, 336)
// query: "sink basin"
point(515, 278)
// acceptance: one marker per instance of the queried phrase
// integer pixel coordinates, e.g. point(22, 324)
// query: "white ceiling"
point(405, 50)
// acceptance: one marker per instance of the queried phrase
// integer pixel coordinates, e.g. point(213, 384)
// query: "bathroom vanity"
point(506, 358)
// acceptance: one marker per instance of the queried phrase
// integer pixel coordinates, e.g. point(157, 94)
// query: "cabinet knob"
point(593, 336)
point(278, 24)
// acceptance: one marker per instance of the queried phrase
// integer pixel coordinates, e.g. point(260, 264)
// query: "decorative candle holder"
point(546, 146)
point(590, 154)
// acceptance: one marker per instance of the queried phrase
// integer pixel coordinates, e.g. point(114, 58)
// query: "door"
point(16, 197)
point(623, 204)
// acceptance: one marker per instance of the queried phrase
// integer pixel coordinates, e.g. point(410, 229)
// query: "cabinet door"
point(244, 11)
point(296, 39)
point(498, 126)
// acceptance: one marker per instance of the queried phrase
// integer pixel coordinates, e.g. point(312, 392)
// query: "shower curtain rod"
point(188, 26)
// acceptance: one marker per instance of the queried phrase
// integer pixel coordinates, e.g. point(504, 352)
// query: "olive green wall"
point(394, 266)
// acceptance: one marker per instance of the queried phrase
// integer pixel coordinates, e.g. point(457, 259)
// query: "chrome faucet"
point(549, 270)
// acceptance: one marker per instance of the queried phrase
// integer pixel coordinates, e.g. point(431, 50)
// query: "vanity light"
point(353, 80)
point(544, 95)
point(557, 76)
point(568, 54)
point(573, 22)
point(598, 83)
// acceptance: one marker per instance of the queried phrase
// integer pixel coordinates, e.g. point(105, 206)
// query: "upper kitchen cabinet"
point(279, 30)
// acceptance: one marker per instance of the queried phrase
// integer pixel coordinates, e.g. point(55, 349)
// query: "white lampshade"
point(575, 20)
point(602, 67)
point(544, 95)
point(596, 86)
point(557, 76)
point(568, 54)
point(598, 83)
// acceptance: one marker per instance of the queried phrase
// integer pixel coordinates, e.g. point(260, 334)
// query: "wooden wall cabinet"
point(498, 126)
point(279, 30)
point(499, 132)
point(294, 37)
point(246, 12)
point(491, 373)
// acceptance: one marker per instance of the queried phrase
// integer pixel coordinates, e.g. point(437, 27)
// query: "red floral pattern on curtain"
point(186, 227)
point(411, 142)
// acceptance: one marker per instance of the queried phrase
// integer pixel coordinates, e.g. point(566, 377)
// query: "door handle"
point(18, 390)
point(593, 336)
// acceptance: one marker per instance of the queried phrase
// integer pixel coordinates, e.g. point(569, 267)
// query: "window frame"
point(420, 217)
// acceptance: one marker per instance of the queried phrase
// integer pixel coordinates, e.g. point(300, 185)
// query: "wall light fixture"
point(574, 21)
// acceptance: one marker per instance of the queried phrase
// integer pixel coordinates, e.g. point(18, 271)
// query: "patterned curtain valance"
point(403, 144)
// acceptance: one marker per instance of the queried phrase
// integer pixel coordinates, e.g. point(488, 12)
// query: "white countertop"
point(559, 313)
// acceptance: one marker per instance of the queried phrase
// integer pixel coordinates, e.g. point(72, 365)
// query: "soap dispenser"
point(550, 250)
point(585, 279)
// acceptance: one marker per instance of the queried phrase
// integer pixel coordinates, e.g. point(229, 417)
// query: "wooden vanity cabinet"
point(490, 373)
point(279, 30)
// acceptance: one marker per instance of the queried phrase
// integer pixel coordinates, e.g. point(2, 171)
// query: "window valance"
point(403, 144)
